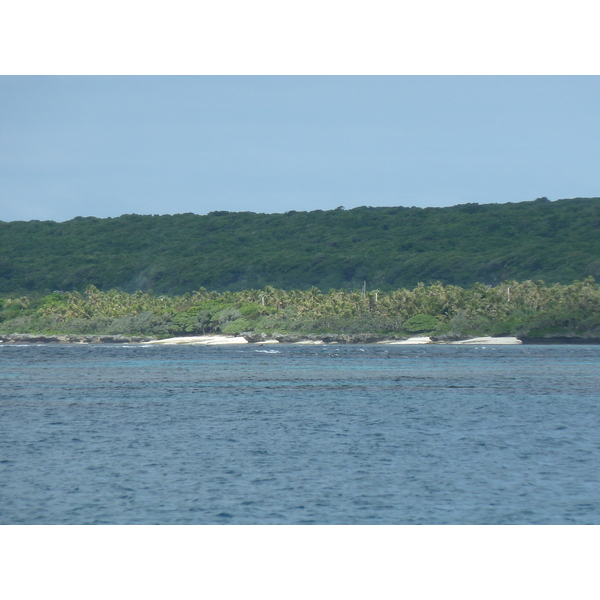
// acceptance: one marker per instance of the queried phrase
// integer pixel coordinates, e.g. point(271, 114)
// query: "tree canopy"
point(389, 247)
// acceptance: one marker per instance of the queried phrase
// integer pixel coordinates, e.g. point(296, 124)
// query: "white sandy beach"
point(203, 340)
point(487, 340)
point(217, 340)
point(503, 341)
point(412, 340)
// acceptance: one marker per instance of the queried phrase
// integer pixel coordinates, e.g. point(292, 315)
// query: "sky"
point(110, 145)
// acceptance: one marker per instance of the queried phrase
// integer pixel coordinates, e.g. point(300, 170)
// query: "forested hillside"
point(390, 248)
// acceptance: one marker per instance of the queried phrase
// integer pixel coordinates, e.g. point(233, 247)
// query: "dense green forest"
point(557, 242)
point(530, 308)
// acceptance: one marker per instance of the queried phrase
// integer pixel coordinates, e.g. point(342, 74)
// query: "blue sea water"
point(132, 434)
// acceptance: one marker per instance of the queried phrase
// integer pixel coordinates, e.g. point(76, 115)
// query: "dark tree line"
point(389, 248)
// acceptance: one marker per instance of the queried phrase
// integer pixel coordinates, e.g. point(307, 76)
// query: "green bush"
point(250, 310)
point(238, 326)
point(227, 316)
point(421, 323)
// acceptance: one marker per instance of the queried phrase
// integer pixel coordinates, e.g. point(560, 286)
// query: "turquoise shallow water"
point(299, 434)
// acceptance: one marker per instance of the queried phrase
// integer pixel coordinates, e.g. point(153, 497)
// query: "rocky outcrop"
point(560, 338)
point(327, 338)
point(32, 338)
point(290, 338)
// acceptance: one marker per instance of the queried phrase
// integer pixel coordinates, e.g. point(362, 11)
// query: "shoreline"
point(309, 339)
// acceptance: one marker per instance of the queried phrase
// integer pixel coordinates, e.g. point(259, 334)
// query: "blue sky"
point(105, 146)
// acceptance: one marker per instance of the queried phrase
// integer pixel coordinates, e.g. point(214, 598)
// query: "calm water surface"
point(299, 434)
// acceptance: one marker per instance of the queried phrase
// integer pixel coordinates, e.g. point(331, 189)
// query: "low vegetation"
point(528, 308)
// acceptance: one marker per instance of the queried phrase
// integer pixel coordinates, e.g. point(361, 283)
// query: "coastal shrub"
point(362, 324)
point(458, 323)
point(145, 323)
point(11, 312)
point(421, 323)
point(192, 321)
point(504, 327)
point(519, 322)
point(213, 306)
point(21, 324)
point(228, 315)
point(238, 326)
point(250, 310)
point(52, 324)
point(511, 308)
point(54, 300)
point(567, 321)
point(330, 324)
point(274, 321)
point(122, 325)
point(95, 325)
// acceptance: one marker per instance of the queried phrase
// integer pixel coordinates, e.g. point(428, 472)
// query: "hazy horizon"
point(272, 212)
point(104, 146)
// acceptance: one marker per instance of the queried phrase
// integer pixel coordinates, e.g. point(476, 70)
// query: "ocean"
point(287, 434)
